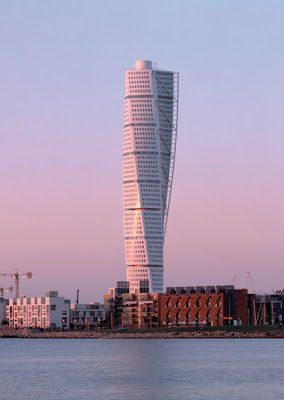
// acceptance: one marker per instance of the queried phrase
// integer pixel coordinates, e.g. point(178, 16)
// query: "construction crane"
point(16, 276)
point(2, 290)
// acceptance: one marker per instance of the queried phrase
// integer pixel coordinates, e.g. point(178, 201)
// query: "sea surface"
point(35, 369)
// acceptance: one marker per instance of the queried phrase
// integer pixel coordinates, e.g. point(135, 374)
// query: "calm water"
point(141, 369)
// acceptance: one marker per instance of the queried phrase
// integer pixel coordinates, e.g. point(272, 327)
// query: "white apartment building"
point(50, 311)
point(149, 145)
point(86, 315)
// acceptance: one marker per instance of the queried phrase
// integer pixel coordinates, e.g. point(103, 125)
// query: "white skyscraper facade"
point(150, 132)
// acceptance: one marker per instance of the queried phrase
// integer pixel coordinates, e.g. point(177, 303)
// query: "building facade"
point(183, 310)
point(207, 305)
point(50, 311)
point(141, 311)
point(86, 316)
point(269, 308)
point(132, 311)
point(3, 303)
point(243, 307)
point(150, 131)
point(191, 306)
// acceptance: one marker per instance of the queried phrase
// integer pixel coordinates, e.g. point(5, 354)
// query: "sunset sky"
point(61, 131)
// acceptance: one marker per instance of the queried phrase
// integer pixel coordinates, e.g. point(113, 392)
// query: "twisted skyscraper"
point(150, 132)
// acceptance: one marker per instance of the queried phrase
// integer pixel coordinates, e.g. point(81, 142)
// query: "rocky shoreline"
point(161, 334)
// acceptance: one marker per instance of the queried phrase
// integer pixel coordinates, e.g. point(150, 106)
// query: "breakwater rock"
point(151, 334)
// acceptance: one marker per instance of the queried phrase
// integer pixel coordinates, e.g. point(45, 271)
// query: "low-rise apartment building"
point(191, 310)
point(86, 316)
point(50, 311)
point(129, 310)
point(140, 310)
point(206, 305)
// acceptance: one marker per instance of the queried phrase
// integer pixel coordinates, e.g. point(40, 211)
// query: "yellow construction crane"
point(16, 276)
point(2, 290)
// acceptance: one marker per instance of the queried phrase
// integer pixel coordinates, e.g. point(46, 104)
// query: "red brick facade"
point(191, 310)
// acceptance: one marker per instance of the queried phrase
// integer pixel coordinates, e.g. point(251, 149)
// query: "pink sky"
point(61, 142)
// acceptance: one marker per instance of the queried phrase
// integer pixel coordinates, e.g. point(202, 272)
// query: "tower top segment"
point(143, 64)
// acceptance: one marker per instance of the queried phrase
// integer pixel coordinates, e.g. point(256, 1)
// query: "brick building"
point(181, 307)
point(191, 310)
point(244, 307)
